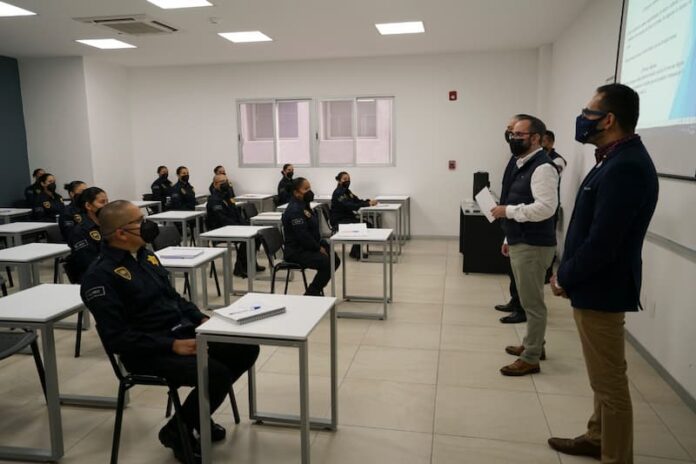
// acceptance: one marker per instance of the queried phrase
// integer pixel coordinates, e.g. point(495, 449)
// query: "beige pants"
point(611, 424)
point(529, 264)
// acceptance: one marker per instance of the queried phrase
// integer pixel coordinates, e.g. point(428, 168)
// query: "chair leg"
point(56, 266)
point(304, 279)
point(78, 334)
point(184, 435)
point(287, 280)
point(117, 424)
point(10, 280)
point(273, 279)
point(39, 366)
point(168, 411)
point(213, 271)
point(187, 288)
point(4, 289)
point(235, 409)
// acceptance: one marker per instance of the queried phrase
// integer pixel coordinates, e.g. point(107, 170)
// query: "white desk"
point(202, 197)
point(238, 234)
point(292, 328)
point(204, 206)
point(156, 205)
point(283, 207)
point(6, 214)
point(40, 308)
point(181, 217)
point(27, 258)
point(15, 230)
point(268, 219)
point(259, 199)
point(195, 264)
point(380, 209)
point(405, 201)
point(373, 237)
point(322, 198)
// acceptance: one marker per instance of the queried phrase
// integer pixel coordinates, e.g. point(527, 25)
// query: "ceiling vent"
point(130, 24)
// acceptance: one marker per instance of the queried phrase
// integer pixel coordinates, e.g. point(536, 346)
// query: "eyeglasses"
point(589, 112)
point(519, 135)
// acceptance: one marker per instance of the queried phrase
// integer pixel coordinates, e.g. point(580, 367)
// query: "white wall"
point(108, 110)
point(55, 114)
point(583, 59)
point(187, 115)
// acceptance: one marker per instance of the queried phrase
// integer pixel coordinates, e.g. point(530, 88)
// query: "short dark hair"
point(551, 135)
point(340, 174)
point(71, 186)
point(159, 168)
point(36, 171)
point(215, 171)
point(521, 116)
point(43, 177)
point(296, 184)
point(536, 125)
point(286, 165)
point(621, 101)
point(179, 169)
point(88, 195)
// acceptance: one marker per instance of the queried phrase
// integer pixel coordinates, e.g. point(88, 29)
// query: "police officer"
point(220, 170)
point(142, 318)
point(303, 242)
point(71, 215)
point(31, 191)
point(85, 238)
point(162, 188)
point(344, 205)
point(48, 203)
point(183, 195)
point(223, 212)
point(285, 184)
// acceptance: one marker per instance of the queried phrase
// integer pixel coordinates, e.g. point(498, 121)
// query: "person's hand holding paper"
point(486, 203)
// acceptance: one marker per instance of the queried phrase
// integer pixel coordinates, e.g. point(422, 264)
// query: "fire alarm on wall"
point(452, 165)
point(453, 95)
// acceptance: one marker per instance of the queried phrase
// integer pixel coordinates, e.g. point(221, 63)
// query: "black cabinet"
point(479, 242)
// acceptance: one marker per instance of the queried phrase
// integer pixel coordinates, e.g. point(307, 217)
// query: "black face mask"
point(148, 231)
point(76, 200)
point(225, 188)
point(308, 197)
point(185, 179)
point(519, 147)
point(346, 184)
point(290, 174)
point(164, 176)
point(51, 188)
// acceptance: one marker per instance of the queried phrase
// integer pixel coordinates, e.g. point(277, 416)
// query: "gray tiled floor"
point(421, 387)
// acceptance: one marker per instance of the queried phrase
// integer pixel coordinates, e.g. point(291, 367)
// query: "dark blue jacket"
point(344, 204)
point(161, 189)
point(301, 228)
point(183, 197)
point(47, 207)
point(85, 242)
point(602, 264)
point(222, 212)
point(69, 219)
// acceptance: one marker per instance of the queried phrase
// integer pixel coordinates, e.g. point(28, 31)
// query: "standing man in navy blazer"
point(601, 266)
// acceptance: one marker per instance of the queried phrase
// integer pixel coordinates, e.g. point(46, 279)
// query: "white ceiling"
point(301, 29)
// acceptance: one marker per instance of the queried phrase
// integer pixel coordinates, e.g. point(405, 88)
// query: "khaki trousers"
point(529, 264)
point(603, 345)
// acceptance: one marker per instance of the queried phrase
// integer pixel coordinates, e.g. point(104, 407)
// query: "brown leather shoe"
point(518, 350)
point(578, 446)
point(520, 368)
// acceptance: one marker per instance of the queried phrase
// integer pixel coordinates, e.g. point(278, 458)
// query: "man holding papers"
point(142, 318)
point(528, 203)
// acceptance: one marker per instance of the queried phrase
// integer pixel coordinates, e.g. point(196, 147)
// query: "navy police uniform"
point(31, 192)
point(303, 244)
point(85, 242)
point(46, 207)
point(69, 219)
point(183, 197)
point(139, 315)
point(344, 204)
point(161, 189)
point(284, 190)
point(212, 189)
point(223, 212)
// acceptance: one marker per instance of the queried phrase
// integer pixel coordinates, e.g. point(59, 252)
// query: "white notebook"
point(180, 253)
point(249, 314)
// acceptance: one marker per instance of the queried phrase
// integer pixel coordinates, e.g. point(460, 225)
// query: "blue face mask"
point(586, 128)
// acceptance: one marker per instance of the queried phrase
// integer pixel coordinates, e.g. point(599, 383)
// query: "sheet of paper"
point(486, 203)
point(359, 228)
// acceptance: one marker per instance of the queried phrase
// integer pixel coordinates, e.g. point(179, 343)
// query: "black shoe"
point(239, 272)
point(169, 437)
point(508, 307)
point(260, 268)
point(514, 318)
point(217, 432)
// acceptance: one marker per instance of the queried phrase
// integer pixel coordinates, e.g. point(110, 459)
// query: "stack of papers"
point(180, 253)
point(358, 229)
point(246, 315)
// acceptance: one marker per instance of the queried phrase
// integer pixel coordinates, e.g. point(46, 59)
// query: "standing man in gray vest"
point(527, 207)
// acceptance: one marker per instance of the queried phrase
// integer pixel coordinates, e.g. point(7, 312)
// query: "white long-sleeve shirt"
point(544, 185)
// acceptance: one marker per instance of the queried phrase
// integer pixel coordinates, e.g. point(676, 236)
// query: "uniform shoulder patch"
point(297, 221)
point(307, 213)
point(80, 245)
point(123, 272)
point(77, 218)
point(153, 260)
point(94, 292)
point(47, 204)
point(95, 235)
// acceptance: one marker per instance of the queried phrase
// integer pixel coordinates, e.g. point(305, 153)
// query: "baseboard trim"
point(666, 376)
point(435, 237)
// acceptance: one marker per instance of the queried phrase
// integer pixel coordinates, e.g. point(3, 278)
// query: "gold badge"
point(123, 272)
point(308, 214)
point(95, 235)
point(47, 204)
point(77, 218)
point(153, 260)
point(183, 191)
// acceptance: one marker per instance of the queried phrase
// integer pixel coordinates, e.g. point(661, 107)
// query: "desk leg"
point(304, 401)
point(345, 268)
point(25, 280)
point(204, 399)
point(35, 274)
point(251, 262)
point(228, 262)
point(184, 233)
point(391, 271)
point(227, 275)
point(197, 230)
point(52, 394)
point(204, 285)
point(334, 369)
point(332, 257)
point(193, 287)
point(251, 387)
point(384, 281)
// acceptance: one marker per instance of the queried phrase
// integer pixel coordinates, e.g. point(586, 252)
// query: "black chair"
point(5, 244)
point(3, 286)
point(272, 242)
point(248, 211)
point(324, 212)
point(13, 342)
point(73, 278)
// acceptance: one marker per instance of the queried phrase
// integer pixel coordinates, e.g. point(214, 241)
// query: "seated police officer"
point(183, 195)
point(162, 187)
point(223, 212)
point(71, 215)
point(344, 205)
point(142, 318)
point(285, 184)
point(48, 203)
point(220, 170)
point(31, 191)
point(303, 242)
point(85, 238)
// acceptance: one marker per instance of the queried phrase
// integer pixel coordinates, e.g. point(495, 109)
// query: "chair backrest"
point(14, 342)
point(272, 242)
point(148, 197)
point(21, 204)
point(53, 235)
point(249, 211)
point(168, 236)
point(324, 213)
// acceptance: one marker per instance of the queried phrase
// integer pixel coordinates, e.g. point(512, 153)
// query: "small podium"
point(480, 242)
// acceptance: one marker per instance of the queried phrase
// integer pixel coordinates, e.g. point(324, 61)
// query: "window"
point(275, 132)
point(355, 132)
